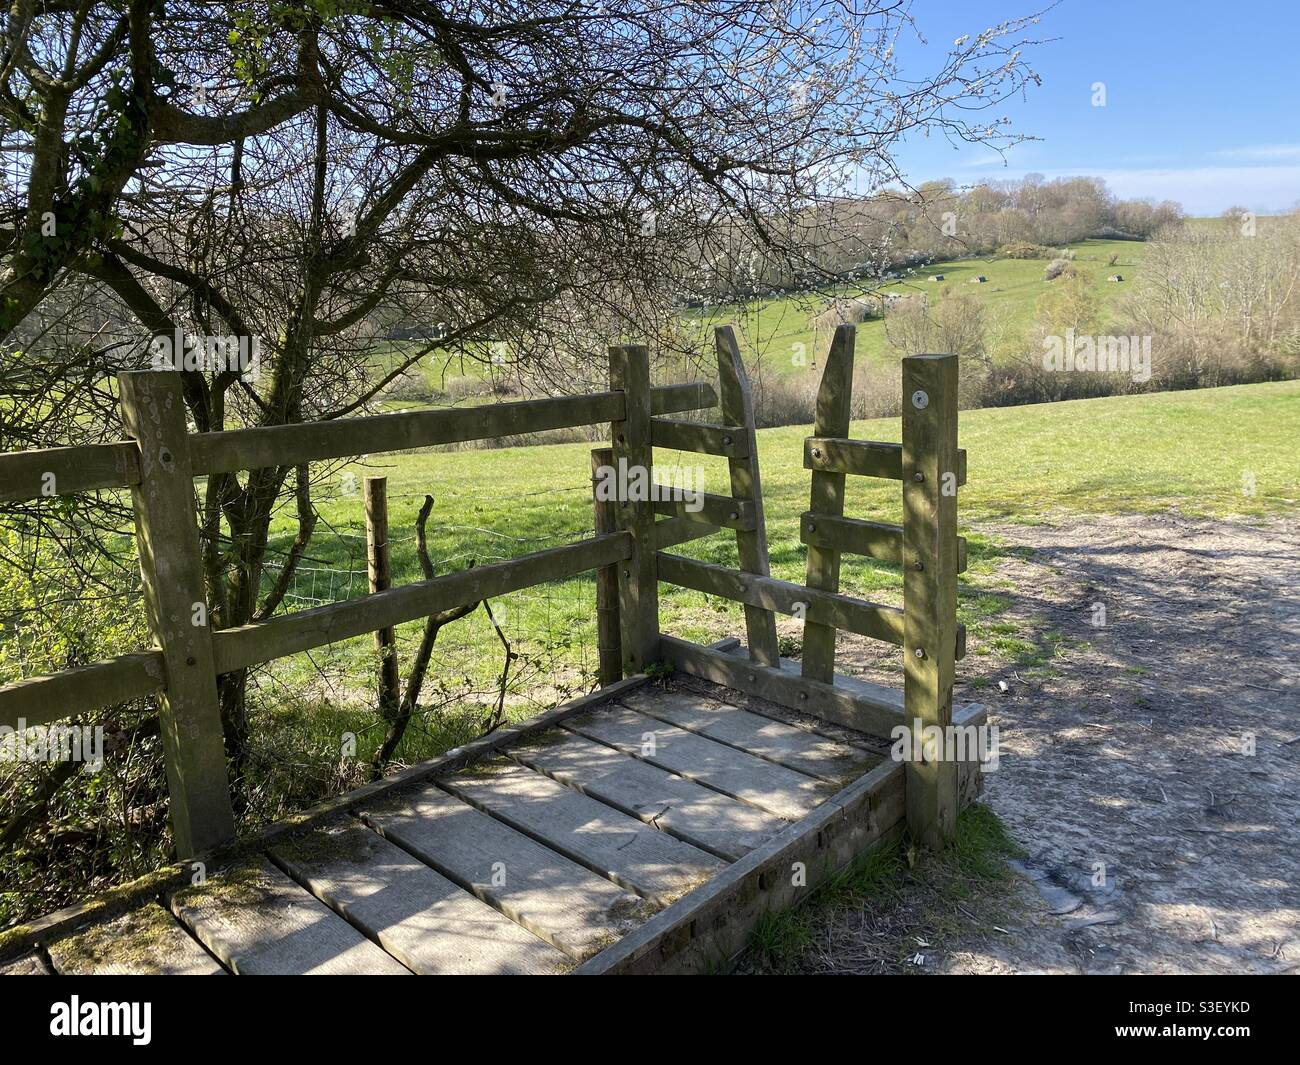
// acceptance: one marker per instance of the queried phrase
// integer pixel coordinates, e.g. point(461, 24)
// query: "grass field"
point(773, 328)
point(1216, 452)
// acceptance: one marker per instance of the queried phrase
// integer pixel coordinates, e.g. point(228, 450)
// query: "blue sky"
point(1202, 99)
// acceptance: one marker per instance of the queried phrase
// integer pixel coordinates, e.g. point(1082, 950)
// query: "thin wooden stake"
point(171, 565)
point(379, 571)
point(608, 648)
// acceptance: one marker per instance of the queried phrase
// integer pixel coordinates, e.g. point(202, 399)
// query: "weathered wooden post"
point(166, 526)
point(827, 498)
point(608, 649)
point(633, 457)
point(737, 404)
point(930, 479)
point(379, 572)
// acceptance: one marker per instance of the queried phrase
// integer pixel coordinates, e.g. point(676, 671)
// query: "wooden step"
point(635, 855)
point(765, 737)
point(147, 941)
point(566, 904)
point(429, 924)
point(705, 818)
point(259, 922)
point(784, 792)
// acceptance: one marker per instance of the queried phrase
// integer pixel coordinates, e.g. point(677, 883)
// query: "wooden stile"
point(871, 539)
point(593, 803)
point(709, 509)
point(864, 458)
point(830, 609)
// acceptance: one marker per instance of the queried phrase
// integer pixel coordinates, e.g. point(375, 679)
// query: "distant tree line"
point(895, 228)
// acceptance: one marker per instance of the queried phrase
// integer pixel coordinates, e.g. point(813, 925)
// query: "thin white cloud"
point(982, 161)
point(1260, 152)
point(1204, 190)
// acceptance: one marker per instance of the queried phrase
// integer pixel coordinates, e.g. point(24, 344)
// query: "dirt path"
point(1155, 841)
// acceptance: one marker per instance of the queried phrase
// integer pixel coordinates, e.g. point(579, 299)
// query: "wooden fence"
point(628, 552)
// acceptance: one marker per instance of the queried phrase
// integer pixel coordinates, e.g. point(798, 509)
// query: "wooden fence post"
point(608, 647)
point(737, 404)
point(153, 412)
point(638, 588)
point(930, 477)
point(379, 572)
point(827, 498)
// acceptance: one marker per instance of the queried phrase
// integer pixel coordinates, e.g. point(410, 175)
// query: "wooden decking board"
point(773, 740)
point(259, 922)
point(707, 928)
point(756, 704)
point(146, 941)
point(563, 902)
point(623, 838)
point(28, 965)
point(705, 818)
point(637, 856)
point(417, 915)
point(784, 792)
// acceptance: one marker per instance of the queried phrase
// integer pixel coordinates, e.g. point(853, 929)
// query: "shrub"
point(1023, 249)
point(411, 385)
point(1056, 268)
point(852, 311)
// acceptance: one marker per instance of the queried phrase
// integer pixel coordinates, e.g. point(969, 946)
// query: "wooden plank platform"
point(785, 792)
point(708, 819)
point(155, 945)
point(647, 833)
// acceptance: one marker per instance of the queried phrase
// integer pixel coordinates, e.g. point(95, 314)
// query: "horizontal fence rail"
point(826, 608)
point(302, 630)
point(865, 458)
point(870, 539)
point(289, 445)
point(856, 703)
point(674, 531)
point(730, 441)
point(40, 700)
point(60, 471)
point(708, 509)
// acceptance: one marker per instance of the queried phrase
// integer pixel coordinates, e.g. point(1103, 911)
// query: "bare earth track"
point(1153, 842)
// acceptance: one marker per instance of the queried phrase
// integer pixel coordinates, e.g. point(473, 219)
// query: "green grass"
point(1185, 451)
point(773, 327)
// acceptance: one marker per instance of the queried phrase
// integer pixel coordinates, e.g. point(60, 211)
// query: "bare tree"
point(525, 180)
